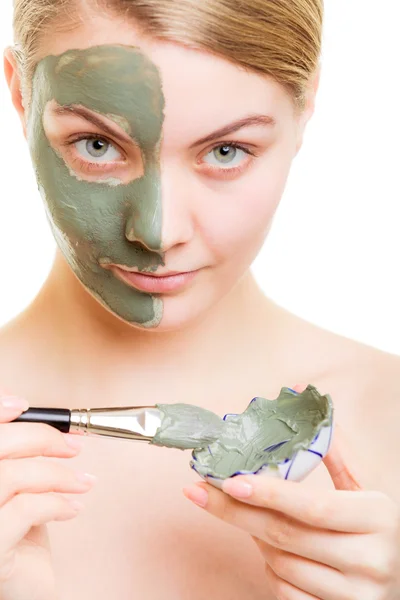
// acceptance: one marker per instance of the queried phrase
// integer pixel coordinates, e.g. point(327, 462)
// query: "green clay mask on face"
point(104, 221)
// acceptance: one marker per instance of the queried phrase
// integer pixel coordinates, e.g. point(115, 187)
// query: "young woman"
point(162, 133)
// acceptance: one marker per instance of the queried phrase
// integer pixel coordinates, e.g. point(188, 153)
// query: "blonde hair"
point(277, 38)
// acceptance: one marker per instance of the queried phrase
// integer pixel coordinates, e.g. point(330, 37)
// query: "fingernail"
point(197, 494)
point(237, 488)
point(73, 441)
point(14, 403)
point(86, 477)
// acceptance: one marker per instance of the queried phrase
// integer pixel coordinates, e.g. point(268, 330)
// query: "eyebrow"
point(264, 120)
point(81, 111)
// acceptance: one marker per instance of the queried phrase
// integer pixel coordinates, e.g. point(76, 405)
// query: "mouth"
point(154, 283)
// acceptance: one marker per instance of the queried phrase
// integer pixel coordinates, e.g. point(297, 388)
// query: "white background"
point(332, 256)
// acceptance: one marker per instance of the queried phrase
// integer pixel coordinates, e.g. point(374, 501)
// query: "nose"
point(160, 214)
point(144, 218)
point(177, 206)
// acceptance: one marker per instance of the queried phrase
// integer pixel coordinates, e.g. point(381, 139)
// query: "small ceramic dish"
point(286, 438)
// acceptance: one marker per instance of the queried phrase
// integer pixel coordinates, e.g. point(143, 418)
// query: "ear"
point(14, 84)
point(308, 110)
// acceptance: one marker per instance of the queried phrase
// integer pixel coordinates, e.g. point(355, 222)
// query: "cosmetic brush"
point(173, 425)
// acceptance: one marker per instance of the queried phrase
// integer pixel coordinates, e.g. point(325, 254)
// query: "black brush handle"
point(60, 418)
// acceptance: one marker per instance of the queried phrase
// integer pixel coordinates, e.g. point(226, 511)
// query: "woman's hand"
point(340, 544)
point(30, 497)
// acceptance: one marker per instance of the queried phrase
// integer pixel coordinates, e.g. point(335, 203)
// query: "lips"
point(152, 283)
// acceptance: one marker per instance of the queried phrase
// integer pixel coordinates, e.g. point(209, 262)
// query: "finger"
point(11, 407)
point(20, 440)
point(282, 589)
point(341, 470)
point(35, 475)
point(338, 510)
point(308, 576)
point(27, 510)
point(350, 553)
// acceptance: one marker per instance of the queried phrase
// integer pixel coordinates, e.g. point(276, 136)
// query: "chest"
point(139, 537)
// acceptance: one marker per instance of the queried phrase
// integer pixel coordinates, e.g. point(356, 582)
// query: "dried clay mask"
point(286, 437)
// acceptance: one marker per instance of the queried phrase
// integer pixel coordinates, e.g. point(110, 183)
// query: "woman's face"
point(154, 159)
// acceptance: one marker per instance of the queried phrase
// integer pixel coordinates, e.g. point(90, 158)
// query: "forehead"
point(156, 85)
point(202, 89)
point(112, 80)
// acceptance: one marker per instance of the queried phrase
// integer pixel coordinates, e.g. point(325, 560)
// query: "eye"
point(226, 154)
point(97, 148)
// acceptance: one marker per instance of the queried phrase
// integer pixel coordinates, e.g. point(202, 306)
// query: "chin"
point(180, 312)
point(176, 311)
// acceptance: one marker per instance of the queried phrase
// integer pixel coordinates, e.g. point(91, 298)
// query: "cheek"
point(85, 217)
point(240, 217)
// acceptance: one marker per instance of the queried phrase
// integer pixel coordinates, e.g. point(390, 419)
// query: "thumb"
point(344, 476)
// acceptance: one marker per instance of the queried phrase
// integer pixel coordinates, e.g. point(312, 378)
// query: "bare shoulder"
point(20, 356)
point(369, 374)
point(357, 374)
point(14, 336)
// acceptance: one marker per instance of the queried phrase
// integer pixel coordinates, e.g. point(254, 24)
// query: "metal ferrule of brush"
point(132, 422)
